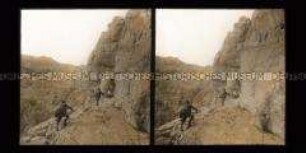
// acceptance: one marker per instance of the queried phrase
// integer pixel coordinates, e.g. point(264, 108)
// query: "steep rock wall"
point(256, 45)
point(125, 48)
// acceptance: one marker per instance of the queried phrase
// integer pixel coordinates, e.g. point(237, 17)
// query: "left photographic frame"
point(81, 77)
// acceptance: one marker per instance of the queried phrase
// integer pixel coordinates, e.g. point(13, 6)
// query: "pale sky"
point(68, 36)
point(194, 35)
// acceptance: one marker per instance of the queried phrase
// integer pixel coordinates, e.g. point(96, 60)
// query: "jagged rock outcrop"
point(253, 111)
point(256, 45)
point(125, 48)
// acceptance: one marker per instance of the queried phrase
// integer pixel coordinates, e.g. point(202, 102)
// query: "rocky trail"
point(222, 125)
point(88, 125)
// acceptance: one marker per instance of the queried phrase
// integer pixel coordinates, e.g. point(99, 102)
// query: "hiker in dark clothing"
point(223, 96)
point(61, 112)
point(98, 94)
point(186, 112)
point(110, 87)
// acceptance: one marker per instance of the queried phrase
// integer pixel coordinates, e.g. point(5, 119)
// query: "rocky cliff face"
point(256, 45)
point(125, 48)
point(254, 110)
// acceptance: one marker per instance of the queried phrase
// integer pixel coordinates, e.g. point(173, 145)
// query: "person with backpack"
point(186, 112)
point(98, 93)
point(61, 112)
point(223, 96)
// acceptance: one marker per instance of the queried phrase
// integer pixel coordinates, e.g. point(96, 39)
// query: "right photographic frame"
point(220, 77)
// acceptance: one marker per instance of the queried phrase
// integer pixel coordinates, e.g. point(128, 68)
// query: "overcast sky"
point(194, 35)
point(67, 36)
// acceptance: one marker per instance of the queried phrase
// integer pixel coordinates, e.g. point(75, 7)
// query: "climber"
point(98, 94)
point(110, 87)
point(186, 112)
point(223, 96)
point(61, 112)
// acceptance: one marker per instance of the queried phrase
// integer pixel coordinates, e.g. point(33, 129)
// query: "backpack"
point(183, 111)
point(59, 111)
